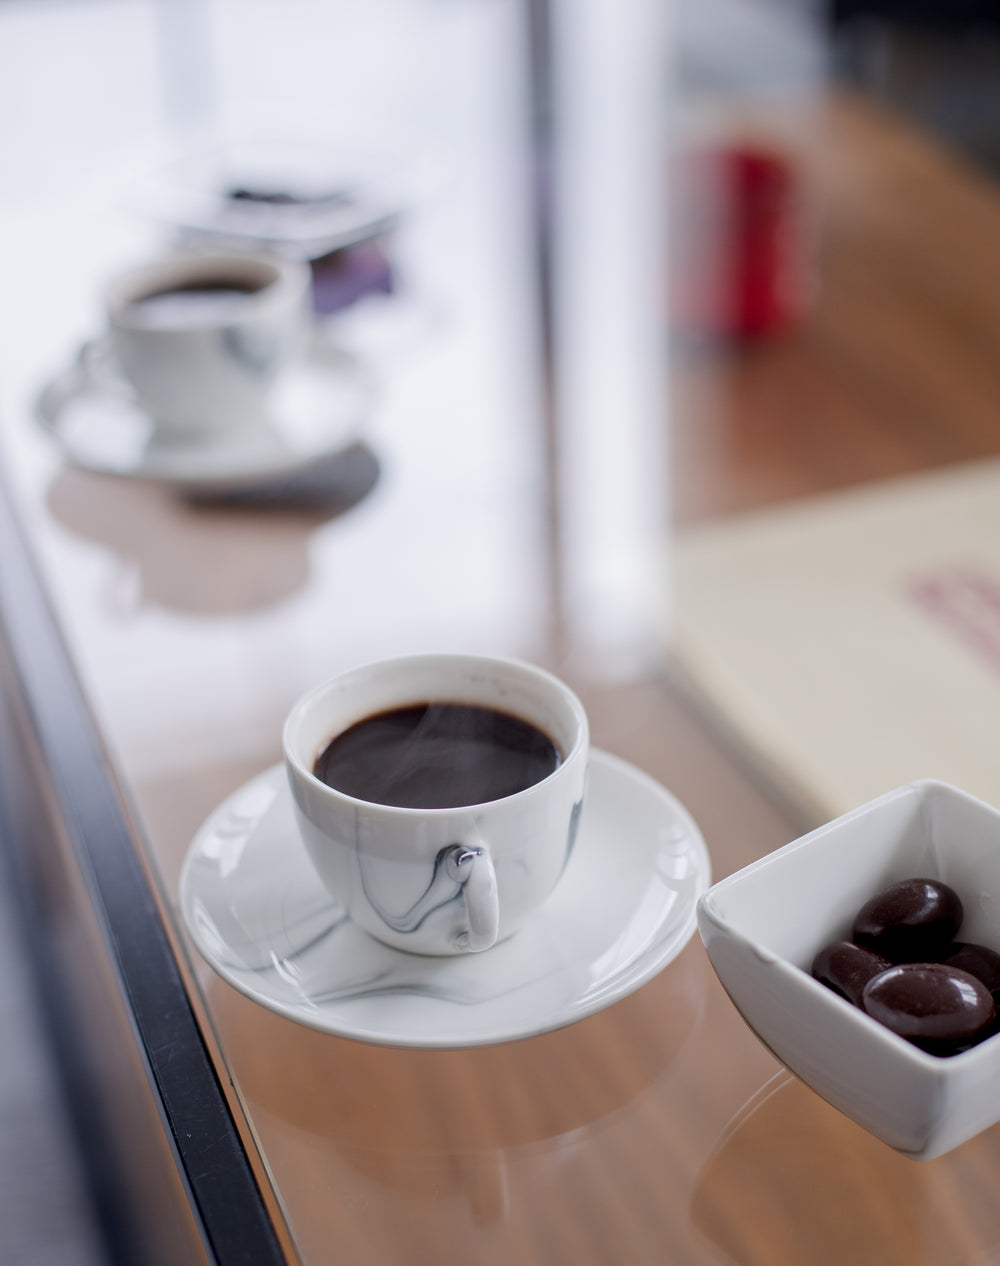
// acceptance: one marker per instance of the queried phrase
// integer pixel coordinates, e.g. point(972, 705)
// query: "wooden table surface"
point(894, 370)
point(659, 1130)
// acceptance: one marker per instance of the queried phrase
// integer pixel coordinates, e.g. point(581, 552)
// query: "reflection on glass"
point(256, 552)
point(610, 70)
point(498, 1136)
point(793, 1172)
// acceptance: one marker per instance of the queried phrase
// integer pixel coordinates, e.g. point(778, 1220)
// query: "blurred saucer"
point(316, 410)
point(623, 910)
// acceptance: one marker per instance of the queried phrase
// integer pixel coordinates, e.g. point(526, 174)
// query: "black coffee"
point(181, 306)
point(437, 756)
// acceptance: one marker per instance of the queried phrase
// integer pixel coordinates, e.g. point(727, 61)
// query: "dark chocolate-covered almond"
point(940, 1009)
point(846, 968)
point(977, 960)
point(911, 921)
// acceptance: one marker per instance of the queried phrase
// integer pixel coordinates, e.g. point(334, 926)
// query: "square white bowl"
point(762, 927)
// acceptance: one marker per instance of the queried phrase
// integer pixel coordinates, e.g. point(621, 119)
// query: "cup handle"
point(472, 868)
point(95, 364)
point(88, 358)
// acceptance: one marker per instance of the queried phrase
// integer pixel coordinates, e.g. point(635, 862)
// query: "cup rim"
point(306, 701)
point(289, 279)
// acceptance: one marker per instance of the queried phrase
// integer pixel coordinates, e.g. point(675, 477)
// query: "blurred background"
point(596, 258)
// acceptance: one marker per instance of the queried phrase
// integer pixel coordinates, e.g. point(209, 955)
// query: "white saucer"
point(624, 909)
point(316, 410)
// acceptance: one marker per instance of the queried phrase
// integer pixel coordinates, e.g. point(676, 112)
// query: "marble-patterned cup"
point(202, 338)
point(439, 880)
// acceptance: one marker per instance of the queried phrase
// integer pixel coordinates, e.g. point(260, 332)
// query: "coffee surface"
point(186, 305)
point(437, 756)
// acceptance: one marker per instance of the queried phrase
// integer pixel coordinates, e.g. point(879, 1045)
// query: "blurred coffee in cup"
point(202, 338)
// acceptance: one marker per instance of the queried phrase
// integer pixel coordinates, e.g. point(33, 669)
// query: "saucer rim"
point(75, 380)
point(638, 971)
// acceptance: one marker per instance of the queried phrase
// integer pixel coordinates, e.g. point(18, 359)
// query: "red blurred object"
point(740, 263)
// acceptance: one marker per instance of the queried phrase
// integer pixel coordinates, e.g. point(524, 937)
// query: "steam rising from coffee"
point(436, 756)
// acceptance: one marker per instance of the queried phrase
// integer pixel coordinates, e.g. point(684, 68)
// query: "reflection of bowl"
point(763, 925)
point(778, 1183)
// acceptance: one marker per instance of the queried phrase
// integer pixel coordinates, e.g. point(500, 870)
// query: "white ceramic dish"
point(624, 908)
point(763, 925)
point(316, 409)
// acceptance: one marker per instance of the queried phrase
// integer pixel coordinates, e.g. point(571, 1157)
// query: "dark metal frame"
point(42, 707)
point(947, 15)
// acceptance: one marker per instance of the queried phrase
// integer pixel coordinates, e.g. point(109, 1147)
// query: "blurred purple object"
point(344, 276)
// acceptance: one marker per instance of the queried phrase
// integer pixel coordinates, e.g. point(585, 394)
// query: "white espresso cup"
point(439, 880)
point(202, 338)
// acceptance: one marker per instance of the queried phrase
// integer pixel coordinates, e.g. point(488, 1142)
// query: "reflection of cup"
point(461, 869)
point(201, 338)
point(505, 1128)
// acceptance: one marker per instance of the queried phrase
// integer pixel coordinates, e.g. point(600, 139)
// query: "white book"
point(852, 640)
